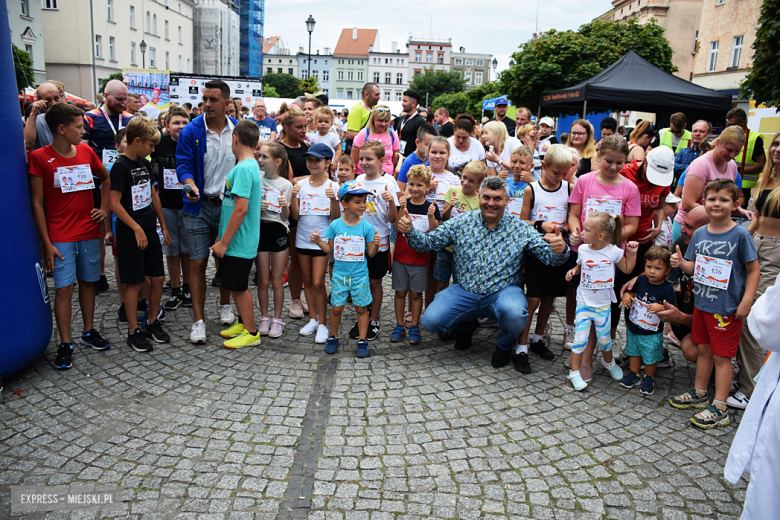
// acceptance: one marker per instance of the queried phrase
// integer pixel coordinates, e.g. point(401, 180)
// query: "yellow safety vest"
point(748, 181)
point(666, 139)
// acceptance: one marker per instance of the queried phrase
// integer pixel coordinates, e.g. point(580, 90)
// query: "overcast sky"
point(496, 27)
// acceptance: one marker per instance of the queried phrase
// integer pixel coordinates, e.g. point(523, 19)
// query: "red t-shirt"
point(649, 197)
point(68, 215)
point(403, 252)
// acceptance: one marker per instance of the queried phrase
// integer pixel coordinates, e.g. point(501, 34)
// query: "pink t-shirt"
point(595, 196)
point(704, 169)
point(392, 144)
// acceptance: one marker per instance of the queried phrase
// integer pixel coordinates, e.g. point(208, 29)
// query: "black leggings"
point(622, 278)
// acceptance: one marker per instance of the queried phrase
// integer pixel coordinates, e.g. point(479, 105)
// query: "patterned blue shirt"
point(487, 260)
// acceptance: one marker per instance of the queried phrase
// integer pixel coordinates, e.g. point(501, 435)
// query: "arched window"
point(148, 21)
point(154, 24)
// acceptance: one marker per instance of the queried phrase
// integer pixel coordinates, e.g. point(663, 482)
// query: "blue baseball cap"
point(502, 101)
point(351, 188)
point(320, 150)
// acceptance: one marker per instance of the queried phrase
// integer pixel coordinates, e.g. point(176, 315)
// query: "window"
point(98, 46)
point(402, 61)
point(736, 51)
point(398, 96)
point(167, 60)
point(387, 95)
point(469, 63)
point(713, 58)
point(180, 39)
point(270, 70)
point(132, 53)
point(50, 4)
point(720, 2)
point(110, 10)
point(376, 77)
point(152, 58)
point(325, 75)
point(399, 78)
point(167, 31)
point(341, 75)
point(388, 77)
point(279, 70)
point(480, 63)
point(290, 72)
point(148, 22)
point(340, 94)
point(154, 25)
point(132, 17)
point(350, 76)
point(26, 7)
point(467, 77)
point(440, 59)
point(181, 62)
point(349, 94)
point(29, 50)
point(316, 75)
point(428, 57)
point(418, 56)
point(478, 78)
point(360, 76)
point(112, 48)
point(458, 61)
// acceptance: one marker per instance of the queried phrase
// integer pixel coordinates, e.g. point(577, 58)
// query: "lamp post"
point(494, 63)
point(309, 27)
point(511, 63)
point(142, 45)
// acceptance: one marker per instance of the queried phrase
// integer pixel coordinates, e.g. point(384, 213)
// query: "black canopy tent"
point(633, 83)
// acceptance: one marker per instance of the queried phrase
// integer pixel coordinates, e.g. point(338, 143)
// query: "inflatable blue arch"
point(25, 313)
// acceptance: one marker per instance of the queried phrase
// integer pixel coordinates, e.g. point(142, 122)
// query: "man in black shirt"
point(442, 118)
point(406, 127)
point(501, 106)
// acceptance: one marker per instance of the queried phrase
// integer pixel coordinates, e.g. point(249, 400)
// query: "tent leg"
point(538, 115)
point(585, 109)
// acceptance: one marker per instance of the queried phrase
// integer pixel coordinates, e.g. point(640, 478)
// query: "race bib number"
point(402, 148)
point(640, 316)
point(420, 222)
point(142, 195)
point(314, 205)
point(713, 272)
point(384, 243)
point(598, 275)
point(349, 249)
point(551, 214)
point(457, 213)
point(441, 189)
point(170, 180)
point(75, 178)
point(109, 157)
point(515, 206)
point(611, 206)
point(271, 196)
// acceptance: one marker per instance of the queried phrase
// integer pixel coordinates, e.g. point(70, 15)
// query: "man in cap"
point(501, 106)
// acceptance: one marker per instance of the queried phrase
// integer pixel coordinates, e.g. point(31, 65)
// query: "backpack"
point(392, 136)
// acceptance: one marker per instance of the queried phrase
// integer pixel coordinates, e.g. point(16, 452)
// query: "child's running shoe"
point(92, 338)
point(233, 331)
point(245, 339)
point(577, 381)
point(630, 380)
point(615, 371)
point(690, 399)
point(363, 351)
point(414, 334)
point(648, 386)
point(64, 359)
point(712, 417)
point(398, 334)
point(332, 346)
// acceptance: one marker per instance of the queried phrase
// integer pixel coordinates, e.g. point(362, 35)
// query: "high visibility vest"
point(666, 139)
point(748, 181)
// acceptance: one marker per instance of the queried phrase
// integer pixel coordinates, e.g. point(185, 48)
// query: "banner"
point(188, 88)
point(151, 85)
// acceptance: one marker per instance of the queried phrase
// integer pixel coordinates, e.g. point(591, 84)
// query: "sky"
point(498, 30)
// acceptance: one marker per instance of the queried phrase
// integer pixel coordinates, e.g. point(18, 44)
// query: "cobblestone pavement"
point(285, 431)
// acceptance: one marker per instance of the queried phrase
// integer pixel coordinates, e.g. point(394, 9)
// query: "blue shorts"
point(649, 347)
point(81, 260)
point(175, 224)
point(202, 229)
point(442, 271)
point(358, 287)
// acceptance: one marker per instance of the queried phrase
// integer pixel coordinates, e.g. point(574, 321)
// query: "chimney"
point(300, 50)
point(318, 52)
point(394, 47)
point(354, 33)
point(327, 51)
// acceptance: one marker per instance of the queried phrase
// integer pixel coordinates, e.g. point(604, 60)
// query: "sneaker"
point(138, 341)
point(174, 301)
point(690, 399)
point(373, 330)
point(630, 380)
point(543, 352)
point(738, 401)
point(265, 326)
point(648, 386)
point(354, 332)
point(463, 341)
point(332, 345)
point(712, 417)
point(304, 304)
point(101, 285)
point(399, 331)
point(92, 338)
point(577, 381)
point(277, 327)
point(501, 357)
point(155, 332)
point(64, 359)
point(666, 362)
point(186, 296)
point(322, 335)
point(233, 331)
point(167, 286)
point(198, 333)
point(521, 363)
point(615, 371)
point(160, 313)
point(296, 310)
point(245, 339)
point(226, 316)
point(568, 338)
point(310, 328)
point(734, 386)
point(414, 335)
point(363, 351)
point(121, 314)
point(215, 281)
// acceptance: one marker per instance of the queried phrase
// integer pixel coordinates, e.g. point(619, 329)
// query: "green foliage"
point(104, 81)
point(454, 103)
point(310, 85)
point(23, 65)
point(558, 60)
point(269, 91)
point(435, 83)
point(285, 85)
point(489, 90)
point(762, 82)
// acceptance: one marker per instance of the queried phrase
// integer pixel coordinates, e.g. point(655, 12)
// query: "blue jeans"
point(456, 309)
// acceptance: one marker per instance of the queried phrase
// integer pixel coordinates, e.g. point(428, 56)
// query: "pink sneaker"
point(264, 326)
point(277, 327)
point(304, 304)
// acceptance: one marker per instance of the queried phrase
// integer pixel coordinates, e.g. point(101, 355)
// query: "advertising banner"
point(152, 87)
point(188, 88)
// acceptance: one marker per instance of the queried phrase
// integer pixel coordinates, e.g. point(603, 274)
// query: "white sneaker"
point(738, 401)
point(309, 328)
point(568, 338)
point(226, 316)
point(322, 334)
point(198, 333)
point(734, 386)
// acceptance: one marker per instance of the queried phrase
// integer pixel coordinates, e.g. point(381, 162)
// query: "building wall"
point(424, 47)
point(344, 68)
point(384, 63)
point(321, 68)
point(217, 40)
point(287, 62)
point(27, 34)
point(475, 68)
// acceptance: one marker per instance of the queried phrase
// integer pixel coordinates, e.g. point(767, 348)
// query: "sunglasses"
point(382, 110)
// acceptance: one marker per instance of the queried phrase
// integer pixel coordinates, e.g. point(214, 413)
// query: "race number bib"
point(384, 243)
point(109, 157)
point(515, 206)
point(611, 206)
point(420, 222)
point(441, 189)
point(75, 178)
point(713, 272)
point(142, 195)
point(551, 214)
point(402, 148)
point(271, 196)
point(170, 180)
point(457, 213)
point(598, 275)
point(349, 249)
point(314, 205)
point(640, 316)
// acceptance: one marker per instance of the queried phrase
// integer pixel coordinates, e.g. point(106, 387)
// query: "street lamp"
point(309, 27)
point(494, 63)
point(511, 63)
point(143, 52)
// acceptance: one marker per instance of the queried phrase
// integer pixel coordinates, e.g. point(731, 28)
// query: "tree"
point(286, 85)
point(23, 65)
point(310, 85)
point(762, 82)
point(454, 103)
point(269, 91)
point(558, 60)
point(437, 83)
point(489, 90)
point(104, 81)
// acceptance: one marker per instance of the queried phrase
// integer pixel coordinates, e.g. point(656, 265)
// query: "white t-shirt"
point(458, 160)
point(446, 180)
point(602, 262)
point(330, 139)
point(509, 146)
point(218, 159)
point(376, 207)
point(307, 223)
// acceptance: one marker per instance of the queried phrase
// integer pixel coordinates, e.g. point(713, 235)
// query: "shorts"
point(378, 265)
point(274, 237)
point(309, 252)
point(721, 333)
point(442, 271)
point(357, 286)
point(234, 272)
point(650, 347)
point(544, 280)
point(136, 264)
point(179, 241)
point(409, 277)
point(202, 229)
point(80, 260)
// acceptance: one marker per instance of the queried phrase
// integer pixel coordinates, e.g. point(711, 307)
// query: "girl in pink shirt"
point(378, 129)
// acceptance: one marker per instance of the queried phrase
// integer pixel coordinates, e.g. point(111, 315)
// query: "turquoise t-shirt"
point(243, 181)
point(339, 229)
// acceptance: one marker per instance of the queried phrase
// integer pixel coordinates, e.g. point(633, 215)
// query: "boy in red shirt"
point(62, 174)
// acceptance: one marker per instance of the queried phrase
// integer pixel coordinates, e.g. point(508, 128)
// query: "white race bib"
point(712, 271)
point(611, 206)
point(314, 205)
point(598, 275)
point(75, 178)
point(349, 248)
point(551, 214)
point(109, 157)
point(170, 180)
point(384, 243)
point(420, 223)
point(515, 206)
point(142, 195)
point(271, 196)
point(641, 316)
point(457, 213)
point(402, 148)
point(441, 189)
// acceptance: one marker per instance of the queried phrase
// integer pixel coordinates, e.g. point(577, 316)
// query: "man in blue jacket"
point(685, 157)
point(204, 157)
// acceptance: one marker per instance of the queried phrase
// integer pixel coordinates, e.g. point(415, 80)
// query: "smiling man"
point(490, 248)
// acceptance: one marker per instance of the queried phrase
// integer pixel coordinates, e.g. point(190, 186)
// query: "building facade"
point(252, 16)
point(428, 54)
point(390, 71)
point(277, 58)
point(321, 68)
point(475, 68)
point(350, 62)
point(165, 27)
point(217, 40)
point(26, 24)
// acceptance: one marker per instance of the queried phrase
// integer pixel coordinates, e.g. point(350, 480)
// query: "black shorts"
point(234, 272)
point(274, 237)
point(544, 280)
point(136, 264)
point(311, 252)
point(378, 265)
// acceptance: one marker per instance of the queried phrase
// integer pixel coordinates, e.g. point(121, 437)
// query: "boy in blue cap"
point(352, 239)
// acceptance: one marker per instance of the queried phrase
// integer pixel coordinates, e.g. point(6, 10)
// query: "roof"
point(269, 42)
point(355, 48)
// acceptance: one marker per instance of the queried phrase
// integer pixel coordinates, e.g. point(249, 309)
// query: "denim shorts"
point(358, 287)
point(175, 224)
point(80, 260)
point(202, 229)
point(443, 270)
